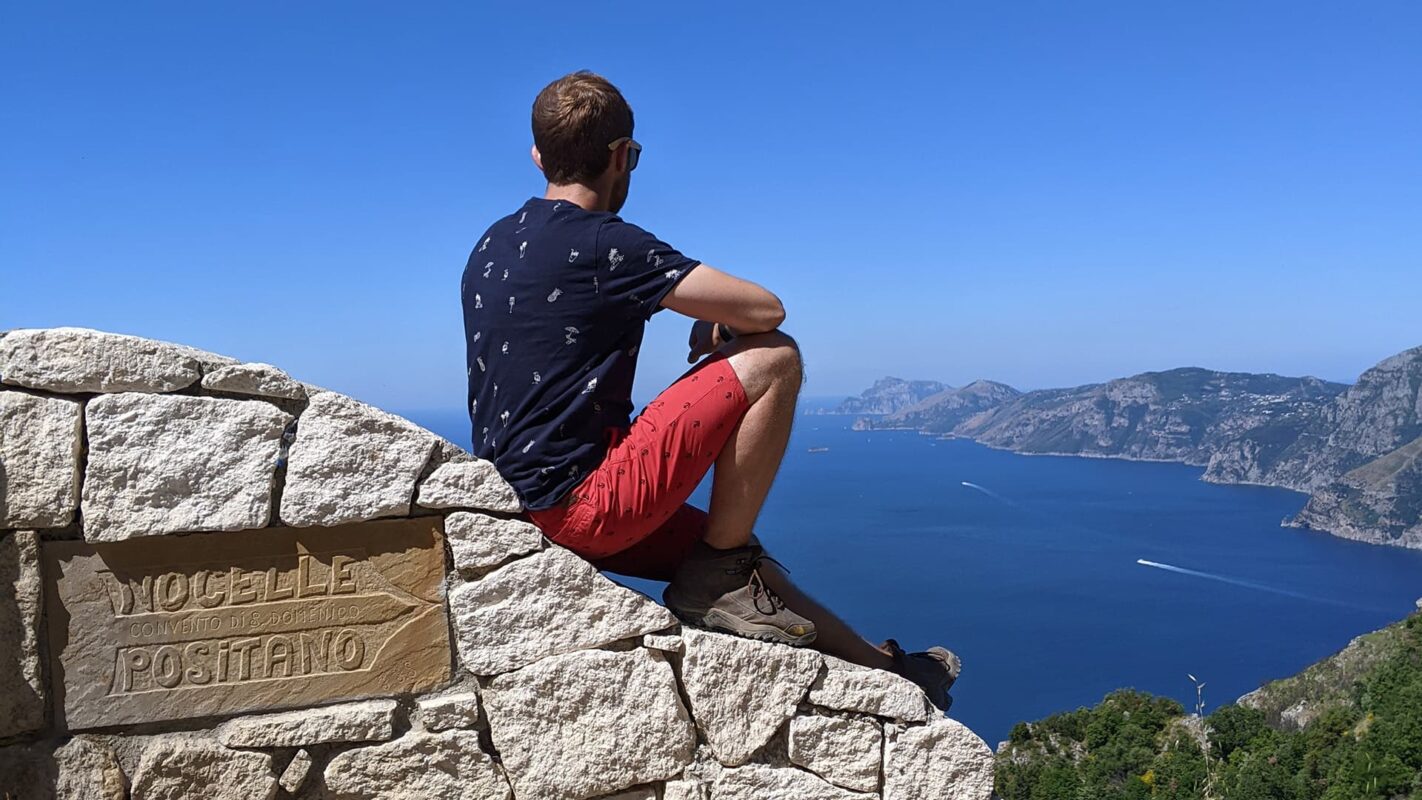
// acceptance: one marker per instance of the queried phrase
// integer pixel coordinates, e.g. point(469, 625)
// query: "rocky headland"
point(1346, 726)
point(1354, 449)
point(889, 395)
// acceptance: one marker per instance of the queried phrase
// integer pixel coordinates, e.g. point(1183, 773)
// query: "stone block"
point(665, 642)
point(583, 724)
point(22, 688)
point(941, 760)
point(27, 772)
point(259, 380)
point(849, 687)
point(88, 770)
point(447, 711)
point(181, 768)
point(761, 782)
point(846, 751)
point(469, 484)
point(742, 690)
point(352, 462)
point(639, 793)
point(40, 442)
point(83, 360)
point(176, 463)
point(368, 721)
point(447, 766)
point(684, 790)
point(166, 628)
point(549, 603)
point(479, 541)
point(296, 772)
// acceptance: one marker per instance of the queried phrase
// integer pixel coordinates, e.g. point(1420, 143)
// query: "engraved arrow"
point(281, 616)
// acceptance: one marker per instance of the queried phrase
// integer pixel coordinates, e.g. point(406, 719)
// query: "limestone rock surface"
point(447, 766)
point(352, 462)
point(742, 690)
point(40, 441)
point(181, 768)
point(665, 642)
point(845, 751)
point(87, 770)
point(942, 760)
point(549, 603)
point(639, 793)
point(83, 360)
point(479, 541)
point(449, 452)
point(684, 790)
point(850, 687)
point(468, 484)
point(27, 772)
point(588, 723)
point(22, 688)
point(368, 721)
point(294, 776)
point(176, 463)
point(454, 710)
point(760, 782)
point(261, 380)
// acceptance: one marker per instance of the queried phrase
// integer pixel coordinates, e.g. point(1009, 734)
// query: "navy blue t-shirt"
point(556, 299)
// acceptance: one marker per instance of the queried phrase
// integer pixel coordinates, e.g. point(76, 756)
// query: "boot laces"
point(759, 591)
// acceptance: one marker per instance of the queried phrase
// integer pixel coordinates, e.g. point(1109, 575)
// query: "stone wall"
point(219, 582)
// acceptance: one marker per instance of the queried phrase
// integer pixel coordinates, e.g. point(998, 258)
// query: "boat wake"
point(990, 493)
point(1258, 587)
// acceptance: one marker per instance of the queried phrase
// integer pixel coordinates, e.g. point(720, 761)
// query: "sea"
point(1058, 579)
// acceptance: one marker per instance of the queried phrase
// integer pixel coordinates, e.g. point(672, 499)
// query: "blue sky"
point(1041, 193)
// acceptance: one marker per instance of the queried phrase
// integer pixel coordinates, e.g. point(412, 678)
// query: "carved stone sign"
point(169, 627)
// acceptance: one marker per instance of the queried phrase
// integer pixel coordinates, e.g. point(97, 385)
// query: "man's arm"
point(707, 293)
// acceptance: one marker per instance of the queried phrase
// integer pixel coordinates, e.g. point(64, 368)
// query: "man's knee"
point(761, 359)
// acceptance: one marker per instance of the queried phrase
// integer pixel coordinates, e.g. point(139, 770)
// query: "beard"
point(619, 193)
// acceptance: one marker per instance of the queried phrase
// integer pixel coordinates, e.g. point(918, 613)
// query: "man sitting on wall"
point(556, 297)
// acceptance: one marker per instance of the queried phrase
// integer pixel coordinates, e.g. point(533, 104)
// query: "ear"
point(619, 158)
point(537, 159)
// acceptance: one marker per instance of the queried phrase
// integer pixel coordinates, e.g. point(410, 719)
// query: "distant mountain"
point(943, 411)
point(1375, 416)
point(1357, 449)
point(1178, 415)
point(888, 395)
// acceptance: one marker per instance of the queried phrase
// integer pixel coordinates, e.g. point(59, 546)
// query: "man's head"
point(575, 118)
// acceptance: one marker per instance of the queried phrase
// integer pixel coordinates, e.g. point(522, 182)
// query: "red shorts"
point(629, 515)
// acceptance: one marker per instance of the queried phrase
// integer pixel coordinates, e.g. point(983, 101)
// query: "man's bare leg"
point(833, 635)
point(769, 367)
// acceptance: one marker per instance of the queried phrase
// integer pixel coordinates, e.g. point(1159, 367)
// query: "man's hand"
point(704, 339)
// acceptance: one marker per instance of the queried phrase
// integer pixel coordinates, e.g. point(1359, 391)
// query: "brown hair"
point(575, 118)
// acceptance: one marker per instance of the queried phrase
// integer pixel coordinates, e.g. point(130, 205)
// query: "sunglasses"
point(634, 151)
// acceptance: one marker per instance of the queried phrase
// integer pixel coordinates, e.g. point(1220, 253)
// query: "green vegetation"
point(1362, 740)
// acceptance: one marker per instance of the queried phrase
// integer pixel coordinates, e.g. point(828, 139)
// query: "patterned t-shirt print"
point(566, 364)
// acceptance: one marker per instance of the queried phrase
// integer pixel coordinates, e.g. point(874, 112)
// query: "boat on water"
point(819, 449)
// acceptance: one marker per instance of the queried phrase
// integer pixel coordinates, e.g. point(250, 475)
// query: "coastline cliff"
point(1354, 449)
point(1346, 726)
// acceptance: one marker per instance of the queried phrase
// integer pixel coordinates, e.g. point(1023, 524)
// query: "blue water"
point(1031, 575)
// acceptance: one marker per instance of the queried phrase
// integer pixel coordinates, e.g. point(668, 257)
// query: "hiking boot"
point(934, 670)
point(723, 590)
